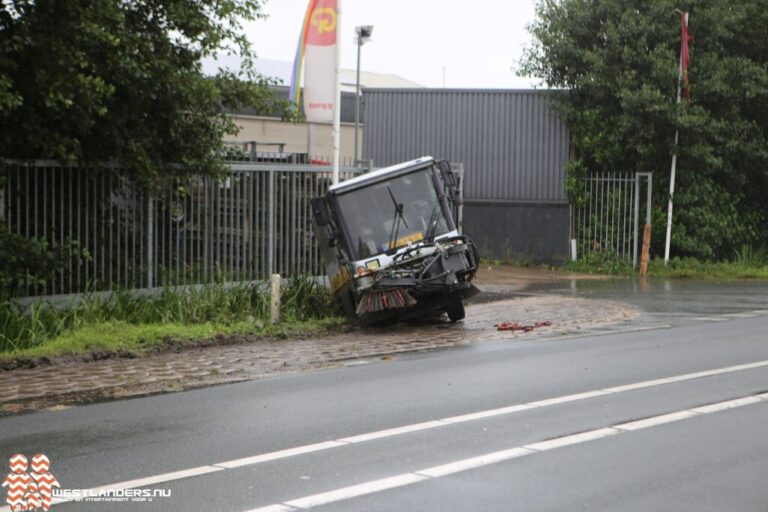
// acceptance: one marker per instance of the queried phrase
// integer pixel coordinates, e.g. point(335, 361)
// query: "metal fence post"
point(460, 219)
point(150, 241)
point(648, 199)
point(637, 220)
point(271, 224)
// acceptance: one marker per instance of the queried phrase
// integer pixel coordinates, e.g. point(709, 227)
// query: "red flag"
point(685, 54)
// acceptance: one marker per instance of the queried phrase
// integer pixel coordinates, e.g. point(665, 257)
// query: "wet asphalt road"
point(713, 461)
point(677, 301)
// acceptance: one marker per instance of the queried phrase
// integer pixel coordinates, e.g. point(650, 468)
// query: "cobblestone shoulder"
point(250, 358)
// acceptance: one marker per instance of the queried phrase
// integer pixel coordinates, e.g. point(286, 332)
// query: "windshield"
point(371, 213)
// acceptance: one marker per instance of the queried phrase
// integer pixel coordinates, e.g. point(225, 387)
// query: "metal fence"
point(607, 219)
point(255, 222)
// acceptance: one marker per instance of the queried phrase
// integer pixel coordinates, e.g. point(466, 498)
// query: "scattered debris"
point(514, 326)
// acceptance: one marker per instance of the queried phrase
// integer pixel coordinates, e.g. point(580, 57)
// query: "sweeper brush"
point(382, 300)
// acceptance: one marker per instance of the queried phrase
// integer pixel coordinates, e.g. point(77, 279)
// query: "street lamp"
point(363, 36)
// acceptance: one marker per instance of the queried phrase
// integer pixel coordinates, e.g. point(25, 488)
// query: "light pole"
point(363, 36)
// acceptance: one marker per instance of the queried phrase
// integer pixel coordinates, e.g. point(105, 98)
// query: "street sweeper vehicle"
point(390, 244)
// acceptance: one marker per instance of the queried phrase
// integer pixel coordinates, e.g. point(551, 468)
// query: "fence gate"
point(607, 218)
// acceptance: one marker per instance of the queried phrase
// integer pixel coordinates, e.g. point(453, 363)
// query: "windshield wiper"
point(432, 225)
point(399, 217)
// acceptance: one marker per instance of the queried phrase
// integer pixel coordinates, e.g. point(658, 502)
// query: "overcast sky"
point(479, 41)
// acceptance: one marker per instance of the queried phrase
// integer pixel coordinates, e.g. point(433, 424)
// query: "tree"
point(111, 80)
point(618, 61)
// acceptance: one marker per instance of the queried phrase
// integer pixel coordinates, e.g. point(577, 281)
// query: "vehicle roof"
point(380, 174)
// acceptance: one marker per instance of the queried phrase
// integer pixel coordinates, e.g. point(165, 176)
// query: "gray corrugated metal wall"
point(514, 150)
point(512, 145)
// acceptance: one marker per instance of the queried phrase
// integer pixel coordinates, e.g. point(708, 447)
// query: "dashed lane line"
point(459, 466)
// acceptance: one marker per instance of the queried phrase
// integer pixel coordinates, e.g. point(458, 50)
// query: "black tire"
point(455, 311)
point(346, 301)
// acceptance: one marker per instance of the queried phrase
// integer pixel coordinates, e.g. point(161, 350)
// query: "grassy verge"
point(123, 338)
point(595, 266)
point(519, 263)
point(691, 268)
point(126, 323)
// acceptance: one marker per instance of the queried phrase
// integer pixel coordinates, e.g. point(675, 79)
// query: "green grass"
point(122, 337)
point(695, 269)
point(519, 263)
point(127, 322)
point(511, 262)
point(600, 263)
point(139, 339)
point(747, 263)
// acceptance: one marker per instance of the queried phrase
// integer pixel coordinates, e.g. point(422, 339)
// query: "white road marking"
point(281, 454)
point(581, 437)
point(648, 328)
point(591, 333)
point(569, 398)
point(442, 470)
point(167, 477)
point(732, 316)
point(488, 414)
point(727, 405)
point(393, 431)
point(276, 508)
point(315, 447)
point(656, 420)
point(474, 462)
point(353, 491)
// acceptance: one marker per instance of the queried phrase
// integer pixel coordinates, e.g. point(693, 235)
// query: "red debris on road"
point(514, 326)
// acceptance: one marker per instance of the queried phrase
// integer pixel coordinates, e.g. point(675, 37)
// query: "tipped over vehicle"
point(390, 243)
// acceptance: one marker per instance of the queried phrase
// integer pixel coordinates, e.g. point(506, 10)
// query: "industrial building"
point(514, 149)
point(268, 133)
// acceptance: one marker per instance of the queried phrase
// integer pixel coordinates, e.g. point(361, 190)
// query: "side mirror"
point(448, 176)
point(455, 196)
point(320, 211)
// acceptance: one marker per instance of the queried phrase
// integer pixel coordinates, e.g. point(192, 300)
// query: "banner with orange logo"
point(320, 62)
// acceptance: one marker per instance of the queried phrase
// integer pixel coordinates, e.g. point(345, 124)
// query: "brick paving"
point(22, 389)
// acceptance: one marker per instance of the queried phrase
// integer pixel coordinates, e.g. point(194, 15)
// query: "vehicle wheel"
point(455, 311)
point(347, 302)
